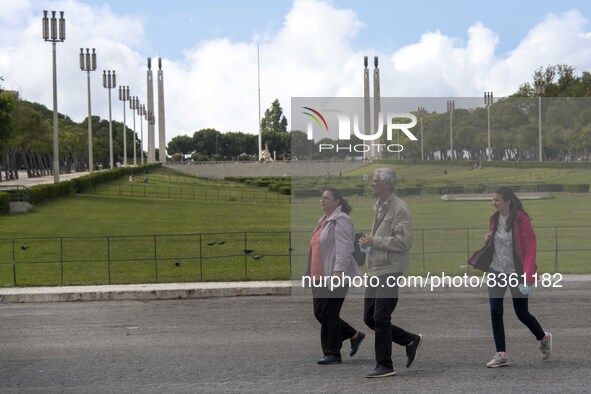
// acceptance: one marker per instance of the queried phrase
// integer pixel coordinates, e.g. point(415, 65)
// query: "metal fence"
point(52, 261)
point(195, 193)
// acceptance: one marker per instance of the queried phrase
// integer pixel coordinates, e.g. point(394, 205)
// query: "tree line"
point(26, 140)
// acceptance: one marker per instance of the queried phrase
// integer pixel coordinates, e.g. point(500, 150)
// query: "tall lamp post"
point(88, 64)
point(133, 104)
point(421, 111)
point(109, 82)
point(451, 105)
point(540, 89)
point(488, 101)
point(141, 111)
point(124, 96)
point(53, 35)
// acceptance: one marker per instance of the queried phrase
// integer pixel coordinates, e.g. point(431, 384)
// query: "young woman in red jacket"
point(510, 255)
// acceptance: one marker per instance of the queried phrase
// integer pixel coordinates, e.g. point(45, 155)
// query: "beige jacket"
point(392, 239)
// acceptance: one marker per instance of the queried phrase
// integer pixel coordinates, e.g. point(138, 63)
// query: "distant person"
point(331, 254)
point(132, 178)
point(510, 255)
point(389, 247)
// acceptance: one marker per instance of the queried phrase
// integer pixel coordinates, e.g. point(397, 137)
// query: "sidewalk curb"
point(145, 292)
point(172, 291)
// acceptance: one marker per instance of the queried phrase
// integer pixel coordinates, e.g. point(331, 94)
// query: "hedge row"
point(4, 203)
point(314, 186)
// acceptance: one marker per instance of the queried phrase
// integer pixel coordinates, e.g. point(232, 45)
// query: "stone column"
point(376, 104)
point(366, 106)
point(150, 82)
point(161, 124)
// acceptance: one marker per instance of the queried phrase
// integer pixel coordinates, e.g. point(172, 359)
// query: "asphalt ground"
point(269, 344)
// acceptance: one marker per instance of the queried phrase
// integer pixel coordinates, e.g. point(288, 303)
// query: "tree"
point(274, 120)
point(206, 141)
point(181, 144)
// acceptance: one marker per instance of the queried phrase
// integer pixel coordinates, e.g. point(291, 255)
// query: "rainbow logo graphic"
point(318, 118)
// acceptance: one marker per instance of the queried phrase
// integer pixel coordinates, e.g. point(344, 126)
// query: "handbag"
point(482, 258)
point(358, 255)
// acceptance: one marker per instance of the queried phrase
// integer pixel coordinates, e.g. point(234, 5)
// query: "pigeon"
point(221, 242)
point(257, 257)
point(24, 247)
point(177, 264)
point(248, 251)
point(211, 243)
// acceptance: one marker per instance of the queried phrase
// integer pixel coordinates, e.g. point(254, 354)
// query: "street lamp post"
point(88, 64)
point(540, 89)
point(109, 82)
point(451, 105)
point(422, 112)
point(141, 111)
point(133, 104)
point(124, 96)
point(53, 35)
point(488, 101)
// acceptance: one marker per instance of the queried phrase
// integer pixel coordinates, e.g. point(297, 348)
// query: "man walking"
point(389, 245)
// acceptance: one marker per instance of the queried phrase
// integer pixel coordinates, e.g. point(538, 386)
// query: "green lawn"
point(96, 239)
point(485, 175)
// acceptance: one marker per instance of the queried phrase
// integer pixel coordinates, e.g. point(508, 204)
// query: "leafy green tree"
point(234, 145)
point(181, 144)
point(274, 120)
point(206, 141)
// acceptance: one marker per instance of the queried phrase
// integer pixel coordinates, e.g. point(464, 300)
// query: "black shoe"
point(412, 349)
point(356, 342)
point(330, 359)
point(380, 372)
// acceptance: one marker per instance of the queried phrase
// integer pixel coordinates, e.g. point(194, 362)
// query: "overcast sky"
point(307, 48)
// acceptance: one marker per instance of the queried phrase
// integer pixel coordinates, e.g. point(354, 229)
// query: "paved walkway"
point(270, 344)
point(28, 182)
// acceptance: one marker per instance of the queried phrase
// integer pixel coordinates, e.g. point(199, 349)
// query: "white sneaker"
point(498, 361)
point(546, 346)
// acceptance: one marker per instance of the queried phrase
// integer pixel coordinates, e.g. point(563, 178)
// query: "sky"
point(213, 52)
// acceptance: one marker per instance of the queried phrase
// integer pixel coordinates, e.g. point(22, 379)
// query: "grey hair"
point(388, 176)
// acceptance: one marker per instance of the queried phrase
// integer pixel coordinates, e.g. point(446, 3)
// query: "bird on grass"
point(257, 257)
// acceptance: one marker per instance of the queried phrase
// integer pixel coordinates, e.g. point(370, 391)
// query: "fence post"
point(556, 249)
point(423, 248)
point(13, 263)
point(156, 258)
point(467, 245)
point(109, 258)
point(201, 257)
point(245, 257)
point(62, 260)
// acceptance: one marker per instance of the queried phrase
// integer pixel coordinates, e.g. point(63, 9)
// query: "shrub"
point(4, 203)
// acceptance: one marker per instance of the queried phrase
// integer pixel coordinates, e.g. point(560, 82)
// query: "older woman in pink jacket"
point(331, 254)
